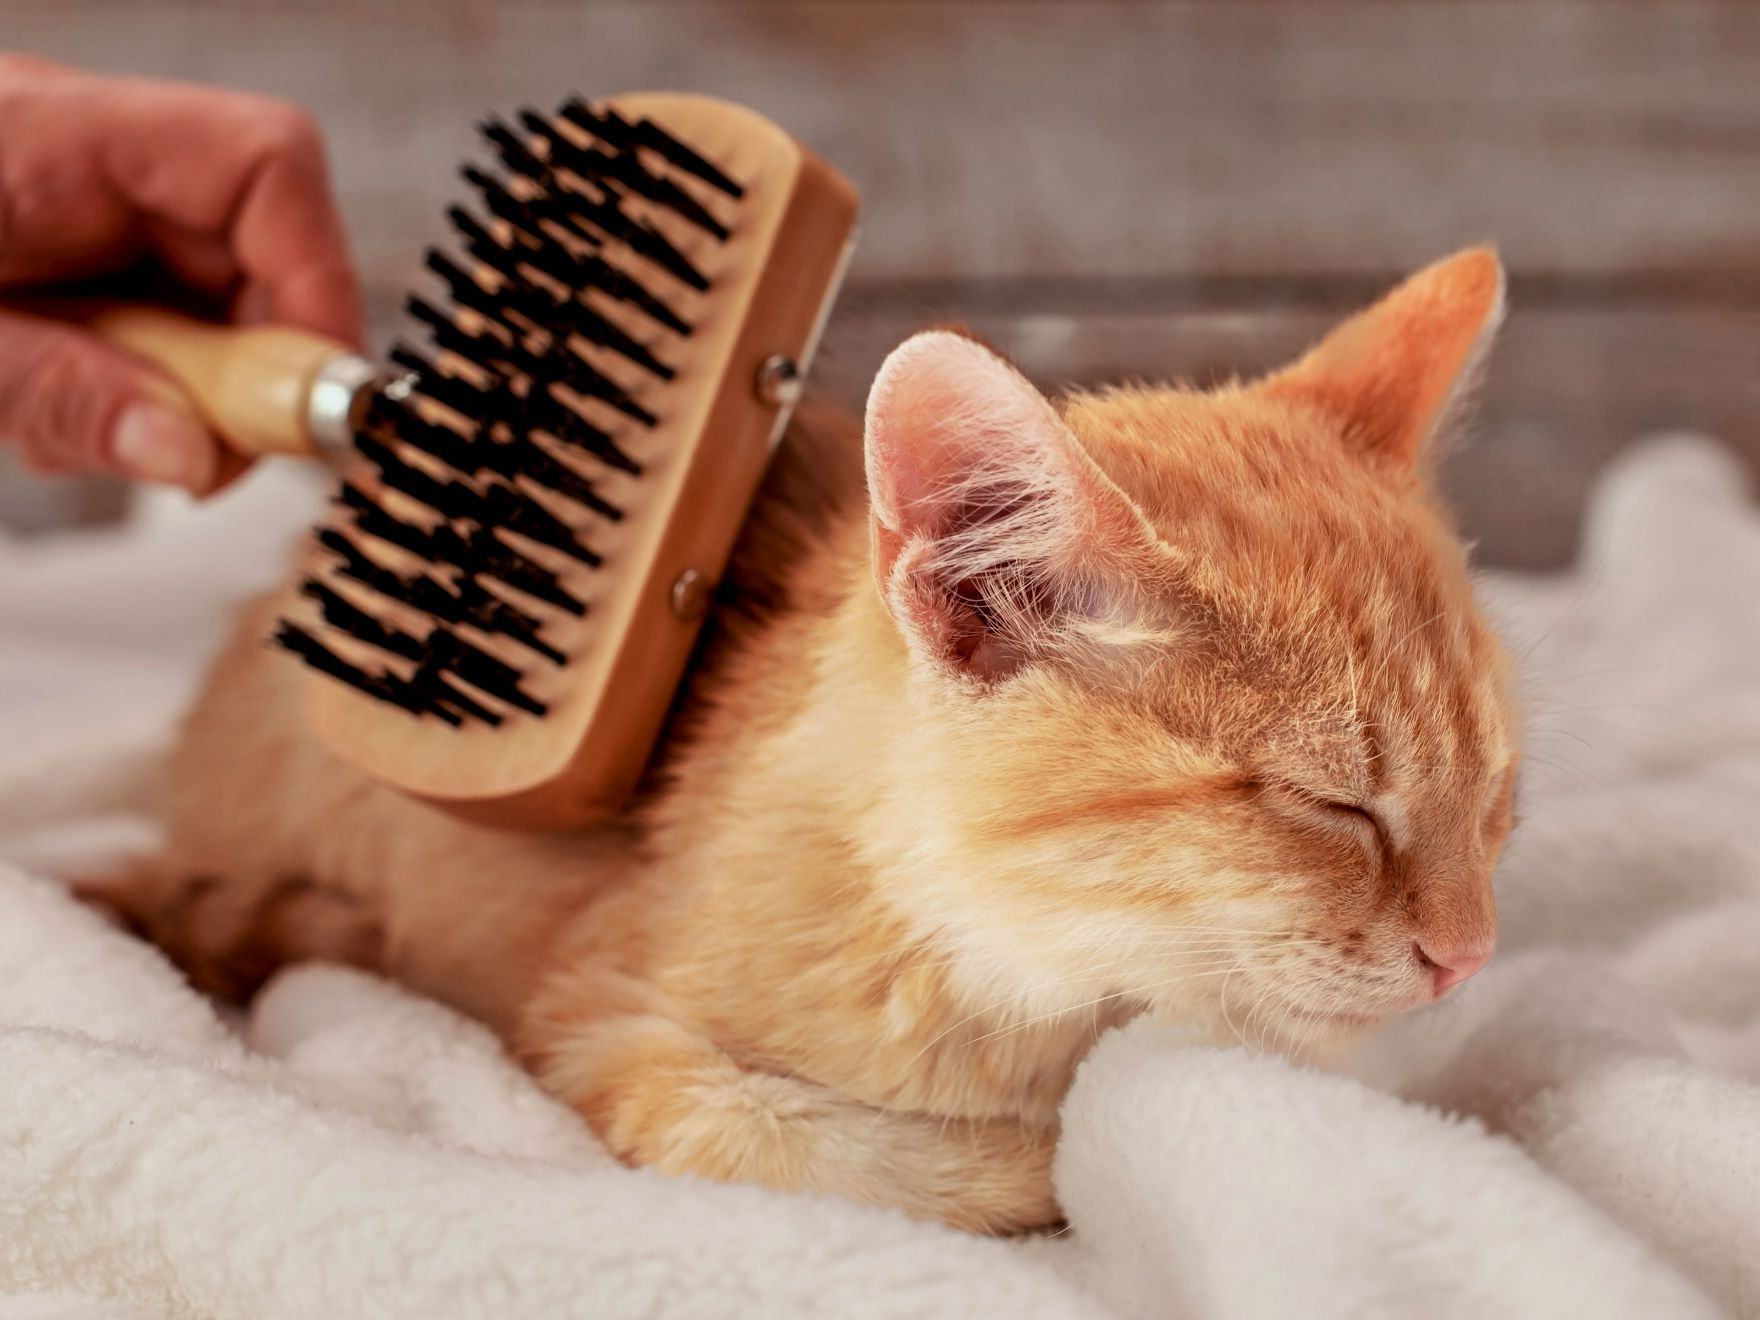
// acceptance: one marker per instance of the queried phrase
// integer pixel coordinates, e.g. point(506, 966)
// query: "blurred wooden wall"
point(1119, 187)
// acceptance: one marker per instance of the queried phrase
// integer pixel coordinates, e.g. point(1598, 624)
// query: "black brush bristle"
point(604, 217)
point(514, 154)
point(522, 306)
point(620, 167)
point(508, 455)
point(570, 282)
point(382, 684)
point(534, 246)
point(441, 650)
point(498, 408)
point(477, 551)
point(606, 123)
point(512, 354)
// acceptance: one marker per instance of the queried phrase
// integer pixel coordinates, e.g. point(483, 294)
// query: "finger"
point(89, 157)
point(201, 263)
point(287, 237)
point(325, 300)
point(267, 194)
point(230, 468)
point(76, 404)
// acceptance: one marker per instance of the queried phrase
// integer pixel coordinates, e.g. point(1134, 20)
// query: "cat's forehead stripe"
point(1300, 557)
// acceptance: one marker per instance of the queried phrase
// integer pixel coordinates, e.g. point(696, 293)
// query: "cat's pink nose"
point(1449, 967)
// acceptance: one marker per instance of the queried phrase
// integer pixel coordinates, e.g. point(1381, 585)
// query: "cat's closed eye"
point(1356, 818)
point(1353, 815)
point(1332, 811)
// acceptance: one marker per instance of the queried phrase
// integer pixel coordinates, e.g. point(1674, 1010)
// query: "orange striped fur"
point(1155, 701)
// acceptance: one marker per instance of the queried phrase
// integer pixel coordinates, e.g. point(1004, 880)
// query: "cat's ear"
point(990, 525)
point(1394, 376)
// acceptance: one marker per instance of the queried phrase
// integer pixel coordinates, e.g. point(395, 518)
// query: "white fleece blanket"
point(1578, 1134)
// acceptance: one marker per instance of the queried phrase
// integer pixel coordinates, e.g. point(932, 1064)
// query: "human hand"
point(224, 195)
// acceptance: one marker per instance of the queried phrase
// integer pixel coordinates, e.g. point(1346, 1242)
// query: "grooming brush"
point(536, 505)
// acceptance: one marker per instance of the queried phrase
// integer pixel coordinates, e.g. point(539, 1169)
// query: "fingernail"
point(161, 444)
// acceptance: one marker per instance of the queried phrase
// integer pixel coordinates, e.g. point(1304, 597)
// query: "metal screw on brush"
point(779, 382)
point(690, 596)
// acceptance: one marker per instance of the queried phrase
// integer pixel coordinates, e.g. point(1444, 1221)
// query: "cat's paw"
point(661, 1096)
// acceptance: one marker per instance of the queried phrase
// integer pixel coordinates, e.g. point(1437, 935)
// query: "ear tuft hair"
point(987, 517)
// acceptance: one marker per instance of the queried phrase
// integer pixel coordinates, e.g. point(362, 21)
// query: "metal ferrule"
point(337, 401)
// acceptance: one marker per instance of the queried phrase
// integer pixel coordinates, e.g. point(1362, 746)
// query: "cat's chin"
point(1288, 1029)
point(1336, 1023)
point(1310, 1033)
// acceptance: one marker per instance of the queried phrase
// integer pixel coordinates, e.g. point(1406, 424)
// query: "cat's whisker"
point(1131, 943)
point(1253, 1015)
point(1564, 615)
point(965, 1021)
point(1014, 1028)
point(1134, 993)
point(1164, 942)
point(1405, 639)
point(1215, 965)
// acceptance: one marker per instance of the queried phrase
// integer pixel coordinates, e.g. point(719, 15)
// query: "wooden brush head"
point(662, 533)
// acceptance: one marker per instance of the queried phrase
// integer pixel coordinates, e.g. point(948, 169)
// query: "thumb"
point(76, 404)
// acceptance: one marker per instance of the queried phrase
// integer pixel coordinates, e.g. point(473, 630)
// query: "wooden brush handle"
point(262, 388)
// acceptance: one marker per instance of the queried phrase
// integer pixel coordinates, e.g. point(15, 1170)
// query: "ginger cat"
point(1155, 700)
